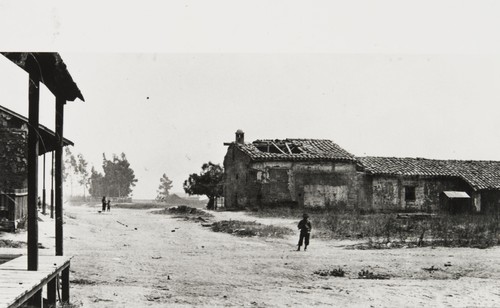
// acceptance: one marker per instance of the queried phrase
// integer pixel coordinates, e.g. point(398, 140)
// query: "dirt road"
point(132, 258)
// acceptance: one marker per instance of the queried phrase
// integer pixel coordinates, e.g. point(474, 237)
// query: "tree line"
point(117, 178)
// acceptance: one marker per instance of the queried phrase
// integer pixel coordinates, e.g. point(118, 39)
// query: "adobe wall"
point(388, 192)
point(295, 184)
point(239, 191)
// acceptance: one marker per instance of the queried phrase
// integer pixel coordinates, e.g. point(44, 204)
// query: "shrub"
point(184, 211)
point(336, 272)
point(249, 228)
point(11, 244)
point(366, 274)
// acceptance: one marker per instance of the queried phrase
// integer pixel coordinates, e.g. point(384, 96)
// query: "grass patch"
point(249, 228)
point(336, 272)
point(139, 206)
point(366, 274)
point(11, 244)
point(185, 212)
point(386, 230)
point(83, 281)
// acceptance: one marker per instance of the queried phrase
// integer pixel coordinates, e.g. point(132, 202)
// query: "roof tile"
point(479, 174)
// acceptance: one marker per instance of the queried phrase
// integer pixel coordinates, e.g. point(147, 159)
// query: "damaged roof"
point(480, 175)
point(294, 150)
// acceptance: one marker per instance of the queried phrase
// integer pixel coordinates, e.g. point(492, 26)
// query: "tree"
point(118, 178)
point(70, 167)
point(164, 188)
point(82, 172)
point(208, 182)
point(96, 183)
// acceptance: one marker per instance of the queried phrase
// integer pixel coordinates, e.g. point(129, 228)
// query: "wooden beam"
point(65, 285)
point(59, 175)
point(51, 292)
point(288, 148)
point(34, 108)
point(278, 147)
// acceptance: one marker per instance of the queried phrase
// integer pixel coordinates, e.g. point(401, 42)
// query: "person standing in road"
point(104, 204)
point(305, 228)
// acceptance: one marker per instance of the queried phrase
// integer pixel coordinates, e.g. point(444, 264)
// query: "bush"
point(337, 272)
point(184, 211)
point(11, 244)
point(366, 274)
point(249, 228)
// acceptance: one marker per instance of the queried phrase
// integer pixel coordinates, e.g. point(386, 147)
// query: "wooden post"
point(43, 190)
point(65, 285)
point(59, 176)
point(35, 300)
point(51, 292)
point(52, 186)
point(33, 97)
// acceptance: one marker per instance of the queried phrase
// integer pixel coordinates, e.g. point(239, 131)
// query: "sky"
point(168, 84)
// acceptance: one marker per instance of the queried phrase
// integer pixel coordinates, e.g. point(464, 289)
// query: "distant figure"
point(104, 203)
point(109, 205)
point(305, 231)
point(39, 203)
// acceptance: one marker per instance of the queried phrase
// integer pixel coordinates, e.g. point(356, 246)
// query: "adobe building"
point(431, 185)
point(292, 172)
point(318, 173)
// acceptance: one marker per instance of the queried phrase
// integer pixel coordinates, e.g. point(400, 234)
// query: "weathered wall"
point(240, 190)
point(273, 183)
point(13, 153)
point(489, 201)
point(388, 192)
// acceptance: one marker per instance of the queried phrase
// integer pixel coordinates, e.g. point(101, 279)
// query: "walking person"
point(104, 204)
point(109, 205)
point(305, 231)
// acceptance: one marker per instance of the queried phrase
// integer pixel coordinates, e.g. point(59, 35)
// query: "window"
point(410, 193)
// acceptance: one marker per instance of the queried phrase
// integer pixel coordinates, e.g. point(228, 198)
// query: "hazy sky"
point(169, 85)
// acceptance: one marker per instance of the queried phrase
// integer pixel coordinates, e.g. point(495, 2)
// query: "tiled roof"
point(477, 173)
point(296, 150)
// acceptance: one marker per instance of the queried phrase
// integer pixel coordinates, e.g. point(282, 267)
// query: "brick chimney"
point(240, 136)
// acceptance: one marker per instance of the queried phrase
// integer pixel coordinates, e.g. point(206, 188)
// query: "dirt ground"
point(132, 258)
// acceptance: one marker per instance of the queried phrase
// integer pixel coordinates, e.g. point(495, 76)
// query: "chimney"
point(240, 136)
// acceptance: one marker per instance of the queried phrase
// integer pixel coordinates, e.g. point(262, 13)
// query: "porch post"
point(43, 190)
point(59, 176)
point(33, 97)
point(52, 185)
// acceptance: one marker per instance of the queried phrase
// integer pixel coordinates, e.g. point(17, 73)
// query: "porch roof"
point(50, 69)
point(48, 140)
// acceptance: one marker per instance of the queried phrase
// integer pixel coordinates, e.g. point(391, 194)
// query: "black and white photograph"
point(249, 153)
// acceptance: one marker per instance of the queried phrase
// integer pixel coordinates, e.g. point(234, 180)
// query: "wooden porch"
point(23, 279)
point(19, 286)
